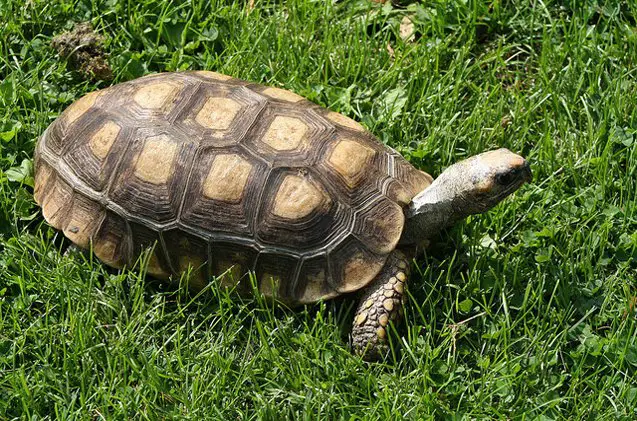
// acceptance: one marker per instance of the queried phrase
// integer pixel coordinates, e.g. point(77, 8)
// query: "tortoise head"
point(479, 183)
point(472, 186)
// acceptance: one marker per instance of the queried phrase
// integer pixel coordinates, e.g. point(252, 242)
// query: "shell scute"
point(299, 213)
point(151, 176)
point(223, 190)
point(288, 135)
point(219, 115)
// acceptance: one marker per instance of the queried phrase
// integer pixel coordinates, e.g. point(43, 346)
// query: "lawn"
point(527, 312)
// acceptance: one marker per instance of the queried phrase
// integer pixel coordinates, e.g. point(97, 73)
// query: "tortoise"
point(220, 177)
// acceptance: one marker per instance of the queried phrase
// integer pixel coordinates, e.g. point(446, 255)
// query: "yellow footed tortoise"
point(220, 177)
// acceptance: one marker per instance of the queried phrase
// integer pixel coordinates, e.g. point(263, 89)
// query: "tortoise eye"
point(504, 179)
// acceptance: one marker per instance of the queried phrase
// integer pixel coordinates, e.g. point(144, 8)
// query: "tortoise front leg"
point(381, 302)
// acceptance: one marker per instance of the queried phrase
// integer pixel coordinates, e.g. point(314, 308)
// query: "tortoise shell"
point(220, 177)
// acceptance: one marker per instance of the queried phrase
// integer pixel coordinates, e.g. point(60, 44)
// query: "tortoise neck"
point(434, 209)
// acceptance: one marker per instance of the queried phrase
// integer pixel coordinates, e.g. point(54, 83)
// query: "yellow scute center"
point(212, 75)
point(155, 161)
point(358, 270)
point(218, 113)
point(102, 141)
point(282, 94)
point(350, 159)
point(298, 197)
point(285, 133)
point(155, 95)
point(344, 121)
point(79, 107)
point(227, 178)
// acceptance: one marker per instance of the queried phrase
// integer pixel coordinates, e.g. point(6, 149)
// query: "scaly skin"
point(381, 303)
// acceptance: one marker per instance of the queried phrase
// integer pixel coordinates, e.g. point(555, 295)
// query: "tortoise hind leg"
point(381, 302)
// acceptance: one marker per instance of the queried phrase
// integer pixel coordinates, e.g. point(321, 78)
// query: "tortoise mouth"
point(528, 174)
point(523, 172)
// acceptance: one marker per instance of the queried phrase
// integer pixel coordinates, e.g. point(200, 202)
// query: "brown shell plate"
point(223, 177)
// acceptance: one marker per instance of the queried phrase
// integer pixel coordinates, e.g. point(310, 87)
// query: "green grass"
point(527, 312)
